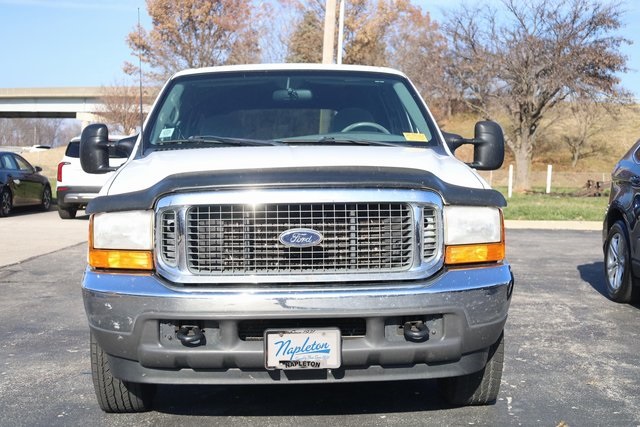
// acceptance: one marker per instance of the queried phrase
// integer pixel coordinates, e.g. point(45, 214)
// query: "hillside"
point(613, 136)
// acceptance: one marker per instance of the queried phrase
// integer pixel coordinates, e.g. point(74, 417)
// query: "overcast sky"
point(53, 43)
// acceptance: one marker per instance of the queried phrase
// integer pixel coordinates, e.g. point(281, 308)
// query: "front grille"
point(244, 239)
point(258, 236)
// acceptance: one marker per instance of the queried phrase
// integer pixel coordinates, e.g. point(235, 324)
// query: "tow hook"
point(190, 335)
point(416, 331)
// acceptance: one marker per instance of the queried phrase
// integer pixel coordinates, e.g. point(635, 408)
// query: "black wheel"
point(617, 264)
point(114, 395)
point(45, 202)
point(67, 212)
point(479, 388)
point(6, 204)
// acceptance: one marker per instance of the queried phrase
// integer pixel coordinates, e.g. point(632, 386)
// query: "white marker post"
point(510, 185)
point(549, 169)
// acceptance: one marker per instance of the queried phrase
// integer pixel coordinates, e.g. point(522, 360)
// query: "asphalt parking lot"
point(571, 355)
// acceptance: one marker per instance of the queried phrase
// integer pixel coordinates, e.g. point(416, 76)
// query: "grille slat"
point(241, 239)
point(430, 236)
point(169, 237)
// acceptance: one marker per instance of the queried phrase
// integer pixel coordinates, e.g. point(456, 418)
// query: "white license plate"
point(302, 348)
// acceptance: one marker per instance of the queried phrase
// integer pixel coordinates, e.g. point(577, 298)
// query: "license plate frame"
point(302, 348)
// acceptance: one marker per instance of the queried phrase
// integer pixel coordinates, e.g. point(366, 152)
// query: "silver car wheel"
point(46, 198)
point(616, 261)
point(5, 203)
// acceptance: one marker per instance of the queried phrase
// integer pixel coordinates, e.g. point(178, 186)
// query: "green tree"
point(305, 44)
point(366, 30)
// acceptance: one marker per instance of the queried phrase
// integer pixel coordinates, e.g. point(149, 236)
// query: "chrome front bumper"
point(126, 311)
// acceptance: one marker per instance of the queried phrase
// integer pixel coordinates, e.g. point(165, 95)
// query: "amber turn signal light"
point(120, 259)
point(475, 253)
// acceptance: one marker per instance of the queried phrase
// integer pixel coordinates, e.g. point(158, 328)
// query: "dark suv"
point(621, 231)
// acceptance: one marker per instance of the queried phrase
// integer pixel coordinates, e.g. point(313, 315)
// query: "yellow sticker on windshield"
point(409, 136)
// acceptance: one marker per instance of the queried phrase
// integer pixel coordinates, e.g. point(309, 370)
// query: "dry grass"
point(47, 159)
point(619, 133)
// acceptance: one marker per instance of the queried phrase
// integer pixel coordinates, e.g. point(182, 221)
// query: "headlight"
point(473, 234)
point(122, 240)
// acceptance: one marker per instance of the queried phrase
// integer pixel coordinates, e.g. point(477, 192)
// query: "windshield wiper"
point(340, 141)
point(206, 140)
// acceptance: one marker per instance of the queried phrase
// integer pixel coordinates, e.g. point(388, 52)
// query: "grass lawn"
point(537, 206)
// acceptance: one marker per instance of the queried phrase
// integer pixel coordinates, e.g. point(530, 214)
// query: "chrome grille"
point(232, 237)
point(429, 234)
point(168, 237)
point(243, 239)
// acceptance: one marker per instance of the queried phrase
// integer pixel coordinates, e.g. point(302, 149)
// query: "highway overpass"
point(82, 103)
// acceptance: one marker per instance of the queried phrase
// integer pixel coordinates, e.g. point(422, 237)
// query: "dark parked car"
point(21, 184)
point(621, 230)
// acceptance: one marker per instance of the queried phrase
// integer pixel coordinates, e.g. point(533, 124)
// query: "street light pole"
point(329, 30)
point(340, 32)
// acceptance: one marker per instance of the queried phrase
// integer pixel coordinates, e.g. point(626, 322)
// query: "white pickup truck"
point(295, 224)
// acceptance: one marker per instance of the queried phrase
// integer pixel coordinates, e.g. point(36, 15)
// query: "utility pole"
point(327, 54)
point(329, 31)
point(340, 32)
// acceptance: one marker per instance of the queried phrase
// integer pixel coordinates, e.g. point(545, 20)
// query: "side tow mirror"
point(124, 147)
point(488, 142)
point(94, 149)
point(488, 154)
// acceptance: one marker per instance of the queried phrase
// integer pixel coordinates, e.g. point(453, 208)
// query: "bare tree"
point(418, 48)
point(68, 130)
point(587, 118)
point(367, 25)
point(30, 131)
point(195, 33)
point(6, 129)
point(121, 106)
point(522, 61)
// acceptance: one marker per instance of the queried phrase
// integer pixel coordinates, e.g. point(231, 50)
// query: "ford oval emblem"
point(300, 238)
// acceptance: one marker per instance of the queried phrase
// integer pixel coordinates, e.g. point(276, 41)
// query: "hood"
point(142, 173)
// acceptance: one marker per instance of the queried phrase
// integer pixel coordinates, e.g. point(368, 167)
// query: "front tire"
point(478, 388)
point(114, 395)
point(67, 212)
point(617, 263)
point(6, 202)
point(45, 202)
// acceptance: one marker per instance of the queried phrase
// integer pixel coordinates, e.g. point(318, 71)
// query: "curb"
point(553, 225)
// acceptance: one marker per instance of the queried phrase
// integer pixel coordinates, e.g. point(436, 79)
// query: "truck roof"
point(289, 67)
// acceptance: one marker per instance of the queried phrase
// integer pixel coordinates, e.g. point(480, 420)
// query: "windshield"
point(289, 107)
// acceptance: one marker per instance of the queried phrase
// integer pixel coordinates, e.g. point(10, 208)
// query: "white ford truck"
point(295, 224)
